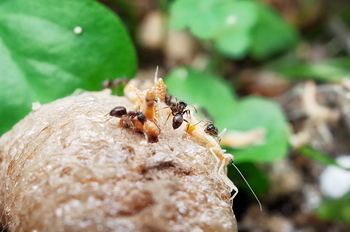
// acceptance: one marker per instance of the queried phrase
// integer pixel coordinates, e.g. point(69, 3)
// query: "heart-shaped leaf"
point(49, 48)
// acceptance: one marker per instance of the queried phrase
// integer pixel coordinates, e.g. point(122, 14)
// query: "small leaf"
point(49, 48)
point(237, 27)
point(237, 19)
point(208, 19)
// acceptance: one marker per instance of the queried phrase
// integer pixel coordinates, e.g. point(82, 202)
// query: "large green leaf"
point(42, 58)
point(217, 98)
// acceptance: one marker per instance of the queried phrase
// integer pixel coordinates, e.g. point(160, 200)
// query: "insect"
point(152, 131)
point(134, 94)
point(223, 159)
point(136, 120)
point(213, 131)
point(149, 109)
point(132, 119)
point(178, 109)
point(159, 87)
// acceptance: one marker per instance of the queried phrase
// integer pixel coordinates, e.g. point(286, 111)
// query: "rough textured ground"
point(69, 167)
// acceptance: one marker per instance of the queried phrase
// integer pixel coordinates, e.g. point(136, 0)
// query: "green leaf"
point(209, 19)
point(208, 91)
point(234, 44)
point(202, 89)
point(237, 19)
point(271, 34)
point(237, 27)
point(336, 209)
point(252, 113)
point(43, 59)
point(328, 70)
point(198, 16)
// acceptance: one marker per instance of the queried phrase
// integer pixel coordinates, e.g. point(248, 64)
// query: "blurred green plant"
point(331, 70)
point(49, 48)
point(319, 156)
point(237, 27)
point(336, 209)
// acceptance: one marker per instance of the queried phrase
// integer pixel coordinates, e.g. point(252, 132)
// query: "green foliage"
point(336, 209)
point(328, 71)
point(237, 27)
point(205, 90)
point(319, 156)
point(42, 59)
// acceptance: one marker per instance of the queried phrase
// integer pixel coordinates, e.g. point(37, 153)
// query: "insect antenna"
point(194, 108)
point(222, 132)
point(156, 74)
point(240, 173)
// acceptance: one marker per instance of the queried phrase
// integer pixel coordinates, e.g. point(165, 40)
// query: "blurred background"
point(274, 73)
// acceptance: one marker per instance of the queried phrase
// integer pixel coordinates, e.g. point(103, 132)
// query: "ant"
point(137, 121)
point(178, 109)
point(213, 131)
point(127, 119)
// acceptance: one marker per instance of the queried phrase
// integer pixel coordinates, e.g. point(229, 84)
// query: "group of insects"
point(154, 105)
point(146, 117)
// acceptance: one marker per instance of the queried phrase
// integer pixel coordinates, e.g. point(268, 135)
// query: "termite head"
point(231, 160)
point(118, 111)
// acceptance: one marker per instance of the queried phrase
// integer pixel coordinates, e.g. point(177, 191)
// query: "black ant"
point(178, 109)
point(212, 130)
point(137, 121)
point(127, 119)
